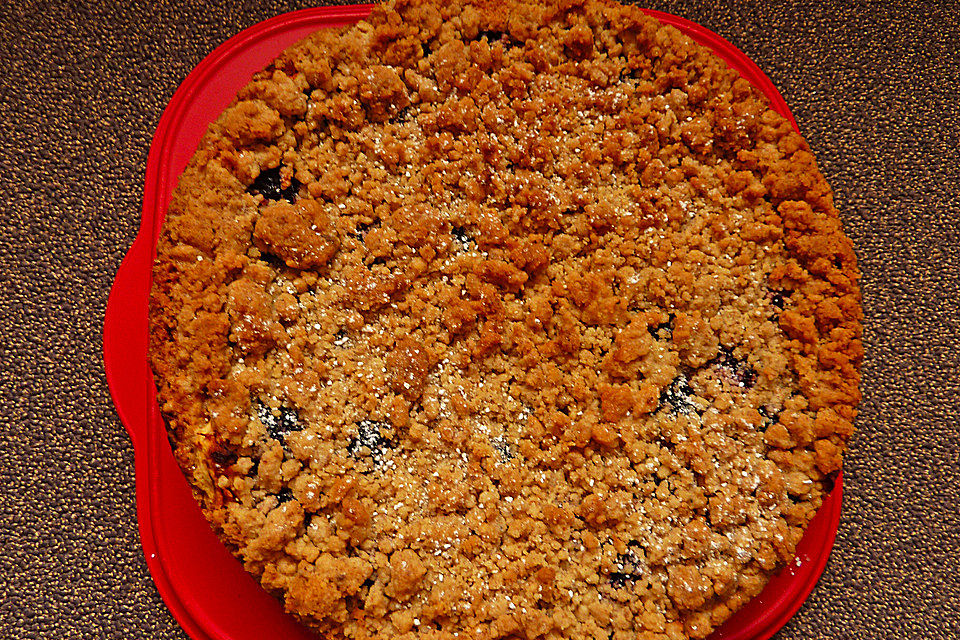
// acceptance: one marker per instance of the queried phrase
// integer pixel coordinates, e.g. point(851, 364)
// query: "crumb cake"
point(506, 320)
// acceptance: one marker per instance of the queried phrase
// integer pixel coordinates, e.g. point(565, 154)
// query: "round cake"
point(506, 320)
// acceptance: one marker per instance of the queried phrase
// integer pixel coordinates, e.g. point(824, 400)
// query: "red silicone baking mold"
point(207, 590)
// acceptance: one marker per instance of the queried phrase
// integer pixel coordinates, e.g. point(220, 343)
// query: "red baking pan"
point(205, 587)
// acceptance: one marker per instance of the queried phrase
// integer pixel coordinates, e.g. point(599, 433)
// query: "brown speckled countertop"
point(874, 87)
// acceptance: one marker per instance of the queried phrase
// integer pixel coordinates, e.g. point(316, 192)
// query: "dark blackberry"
point(362, 229)
point(829, 481)
point(628, 567)
point(663, 326)
point(461, 235)
point(503, 448)
point(426, 49)
point(679, 396)
point(779, 298)
point(491, 36)
point(222, 458)
point(279, 426)
point(735, 371)
point(402, 115)
point(370, 441)
point(275, 261)
point(769, 414)
point(494, 37)
point(269, 184)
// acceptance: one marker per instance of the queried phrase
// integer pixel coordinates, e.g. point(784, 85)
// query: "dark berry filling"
point(426, 49)
point(664, 329)
point(678, 396)
point(503, 448)
point(222, 458)
point(770, 415)
point(493, 36)
point(279, 426)
point(401, 115)
point(269, 184)
point(735, 371)
point(461, 235)
point(829, 481)
point(779, 298)
point(628, 568)
point(370, 441)
point(362, 229)
point(273, 260)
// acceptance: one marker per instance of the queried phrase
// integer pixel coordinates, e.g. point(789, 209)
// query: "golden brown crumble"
point(506, 320)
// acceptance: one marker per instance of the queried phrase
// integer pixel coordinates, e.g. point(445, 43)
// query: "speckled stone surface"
point(874, 87)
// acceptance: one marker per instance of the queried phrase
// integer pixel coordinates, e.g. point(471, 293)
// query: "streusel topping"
point(506, 320)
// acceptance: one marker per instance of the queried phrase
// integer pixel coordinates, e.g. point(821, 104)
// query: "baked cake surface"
point(506, 320)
